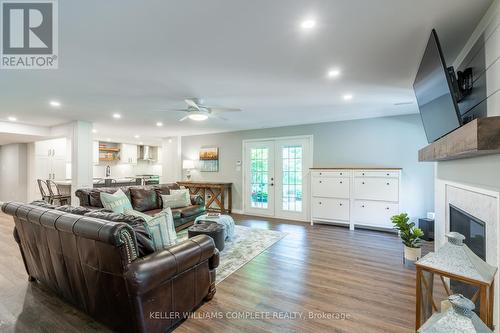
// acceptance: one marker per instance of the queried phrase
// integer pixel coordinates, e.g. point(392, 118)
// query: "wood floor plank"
point(315, 270)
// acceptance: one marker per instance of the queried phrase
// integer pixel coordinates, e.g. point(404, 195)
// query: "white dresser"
point(355, 197)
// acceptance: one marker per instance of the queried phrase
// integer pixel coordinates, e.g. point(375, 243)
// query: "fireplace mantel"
point(479, 137)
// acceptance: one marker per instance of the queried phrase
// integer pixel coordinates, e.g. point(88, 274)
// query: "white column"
point(81, 157)
point(171, 160)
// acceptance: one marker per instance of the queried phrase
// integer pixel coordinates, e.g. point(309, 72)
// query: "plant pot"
point(411, 255)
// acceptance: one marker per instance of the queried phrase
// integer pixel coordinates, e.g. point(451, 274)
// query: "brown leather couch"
point(147, 199)
point(94, 264)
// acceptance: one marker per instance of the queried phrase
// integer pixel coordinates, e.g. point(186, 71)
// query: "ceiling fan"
point(199, 112)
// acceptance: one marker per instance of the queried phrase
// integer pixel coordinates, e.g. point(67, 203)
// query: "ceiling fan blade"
point(171, 110)
point(220, 110)
point(215, 116)
point(184, 118)
point(192, 103)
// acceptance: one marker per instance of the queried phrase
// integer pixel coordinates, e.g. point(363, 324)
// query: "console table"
point(216, 191)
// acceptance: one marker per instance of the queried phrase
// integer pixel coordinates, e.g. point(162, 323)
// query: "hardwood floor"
point(320, 270)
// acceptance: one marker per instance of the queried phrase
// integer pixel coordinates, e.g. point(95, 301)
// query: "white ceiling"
point(137, 57)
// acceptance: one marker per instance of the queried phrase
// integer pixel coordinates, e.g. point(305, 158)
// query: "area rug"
point(247, 243)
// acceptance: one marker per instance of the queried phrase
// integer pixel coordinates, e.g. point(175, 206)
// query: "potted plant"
point(410, 236)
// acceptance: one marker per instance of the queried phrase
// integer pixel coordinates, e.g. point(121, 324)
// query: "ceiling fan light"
point(198, 117)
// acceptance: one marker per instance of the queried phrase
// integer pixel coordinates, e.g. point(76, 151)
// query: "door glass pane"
point(259, 177)
point(292, 178)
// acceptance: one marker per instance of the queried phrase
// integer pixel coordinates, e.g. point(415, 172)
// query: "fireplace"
point(474, 231)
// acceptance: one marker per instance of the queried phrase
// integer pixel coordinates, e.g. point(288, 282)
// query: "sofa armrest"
point(83, 196)
point(197, 200)
point(152, 270)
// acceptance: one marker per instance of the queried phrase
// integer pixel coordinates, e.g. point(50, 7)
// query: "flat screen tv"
point(435, 94)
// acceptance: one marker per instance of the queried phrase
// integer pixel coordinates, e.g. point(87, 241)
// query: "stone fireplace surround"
point(478, 201)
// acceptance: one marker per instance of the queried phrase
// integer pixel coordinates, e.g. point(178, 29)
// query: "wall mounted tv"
point(436, 96)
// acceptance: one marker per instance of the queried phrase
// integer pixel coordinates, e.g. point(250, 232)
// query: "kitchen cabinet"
point(128, 154)
point(50, 159)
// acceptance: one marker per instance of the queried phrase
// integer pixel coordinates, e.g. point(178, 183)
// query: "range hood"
point(147, 153)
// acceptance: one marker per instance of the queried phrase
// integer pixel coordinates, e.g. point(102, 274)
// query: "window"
point(292, 178)
point(260, 177)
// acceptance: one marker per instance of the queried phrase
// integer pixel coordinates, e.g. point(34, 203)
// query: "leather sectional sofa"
point(146, 199)
point(95, 265)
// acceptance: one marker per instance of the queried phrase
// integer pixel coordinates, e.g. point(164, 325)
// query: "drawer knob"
point(340, 182)
point(320, 182)
point(362, 206)
point(388, 184)
point(319, 202)
point(387, 208)
point(341, 173)
point(363, 174)
point(387, 174)
point(320, 173)
point(363, 183)
point(340, 204)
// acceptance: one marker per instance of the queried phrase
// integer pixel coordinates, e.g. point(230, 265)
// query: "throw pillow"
point(160, 227)
point(185, 192)
point(118, 202)
point(174, 200)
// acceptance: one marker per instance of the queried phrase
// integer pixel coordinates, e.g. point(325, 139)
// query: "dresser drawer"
point(376, 173)
point(383, 189)
point(330, 209)
point(330, 187)
point(374, 213)
point(331, 173)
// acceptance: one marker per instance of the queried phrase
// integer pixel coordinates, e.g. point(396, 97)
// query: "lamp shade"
point(188, 164)
point(459, 318)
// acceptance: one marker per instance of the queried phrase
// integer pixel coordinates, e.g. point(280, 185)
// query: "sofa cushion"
point(144, 199)
point(144, 242)
point(172, 201)
point(160, 227)
point(176, 213)
point(95, 194)
point(75, 210)
point(191, 210)
point(118, 202)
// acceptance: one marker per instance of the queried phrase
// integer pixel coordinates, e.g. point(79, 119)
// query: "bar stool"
point(55, 194)
point(44, 190)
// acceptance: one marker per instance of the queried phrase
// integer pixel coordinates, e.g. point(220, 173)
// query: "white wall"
point(377, 142)
point(13, 172)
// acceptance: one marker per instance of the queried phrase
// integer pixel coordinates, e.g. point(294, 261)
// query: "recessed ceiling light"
point(334, 72)
point(141, 143)
point(348, 97)
point(12, 118)
point(94, 130)
point(159, 124)
point(198, 117)
point(169, 140)
point(308, 24)
point(117, 115)
point(137, 136)
point(55, 104)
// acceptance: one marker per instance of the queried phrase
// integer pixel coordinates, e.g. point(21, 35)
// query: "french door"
point(276, 182)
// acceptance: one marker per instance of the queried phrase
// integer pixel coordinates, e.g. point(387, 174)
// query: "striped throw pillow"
point(160, 227)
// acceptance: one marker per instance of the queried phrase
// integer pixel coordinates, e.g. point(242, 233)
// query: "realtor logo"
point(29, 38)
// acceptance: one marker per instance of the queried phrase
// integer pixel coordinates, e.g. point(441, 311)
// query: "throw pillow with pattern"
point(117, 202)
point(160, 227)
